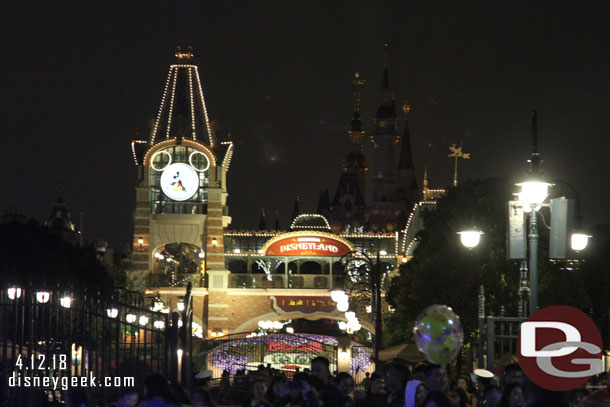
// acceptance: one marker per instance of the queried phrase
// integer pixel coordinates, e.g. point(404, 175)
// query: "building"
point(243, 278)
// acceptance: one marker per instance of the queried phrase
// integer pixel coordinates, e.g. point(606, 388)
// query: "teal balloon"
point(439, 334)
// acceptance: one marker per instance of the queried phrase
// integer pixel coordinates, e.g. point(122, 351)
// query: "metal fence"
point(57, 335)
point(498, 336)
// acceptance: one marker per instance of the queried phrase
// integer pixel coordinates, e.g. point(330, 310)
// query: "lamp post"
point(367, 285)
point(523, 224)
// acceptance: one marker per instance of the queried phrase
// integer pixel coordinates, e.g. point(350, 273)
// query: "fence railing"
point(498, 337)
point(173, 279)
point(243, 280)
point(60, 334)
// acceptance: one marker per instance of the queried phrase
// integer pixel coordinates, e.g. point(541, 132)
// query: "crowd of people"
point(398, 386)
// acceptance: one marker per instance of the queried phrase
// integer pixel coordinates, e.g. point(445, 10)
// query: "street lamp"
point(470, 238)
point(579, 241)
point(367, 285)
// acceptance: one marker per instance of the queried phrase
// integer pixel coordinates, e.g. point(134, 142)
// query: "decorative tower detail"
point(407, 187)
point(181, 192)
point(348, 204)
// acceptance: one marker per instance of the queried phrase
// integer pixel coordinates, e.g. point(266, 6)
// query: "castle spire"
point(405, 161)
point(276, 226)
point(295, 209)
point(357, 82)
point(387, 108)
point(262, 225)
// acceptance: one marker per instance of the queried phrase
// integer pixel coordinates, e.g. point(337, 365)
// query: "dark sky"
point(79, 79)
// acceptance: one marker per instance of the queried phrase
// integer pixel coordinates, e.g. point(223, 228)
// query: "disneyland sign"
point(307, 246)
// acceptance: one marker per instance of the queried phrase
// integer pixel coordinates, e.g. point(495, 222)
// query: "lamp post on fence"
point(367, 284)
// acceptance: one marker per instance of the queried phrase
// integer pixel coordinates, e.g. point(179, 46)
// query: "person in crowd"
point(366, 381)
point(126, 397)
point(375, 396)
point(598, 398)
point(157, 392)
point(487, 386)
point(512, 396)
point(330, 394)
point(275, 389)
point(345, 382)
point(436, 378)
point(259, 393)
point(539, 397)
point(419, 373)
point(395, 380)
point(437, 398)
point(415, 393)
point(465, 384)
point(512, 374)
point(179, 396)
point(297, 393)
point(224, 390)
point(202, 396)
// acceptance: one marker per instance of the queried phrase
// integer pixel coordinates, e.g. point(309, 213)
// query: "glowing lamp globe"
point(66, 301)
point(43, 297)
point(14, 292)
point(342, 306)
point(337, 295)
point(131, 318)
point(579, 241)
point(112, 312)
point(533, 192)
point(277, 325)
point(342, 325)
point(350, 315)
point(470, 238)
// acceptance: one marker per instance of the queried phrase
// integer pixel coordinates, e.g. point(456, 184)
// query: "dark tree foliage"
point(442, 271)
point(31, 255)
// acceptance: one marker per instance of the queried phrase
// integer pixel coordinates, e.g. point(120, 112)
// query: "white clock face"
point(179, 181)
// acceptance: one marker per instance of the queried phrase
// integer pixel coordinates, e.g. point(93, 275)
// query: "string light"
point(192, 104)
point(154, 133)
point(205, 110)
point(187, 143)
point(133, 149)
point(171, 103)
point(228, 154)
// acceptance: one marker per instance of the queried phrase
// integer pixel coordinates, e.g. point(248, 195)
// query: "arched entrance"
point(175, 264)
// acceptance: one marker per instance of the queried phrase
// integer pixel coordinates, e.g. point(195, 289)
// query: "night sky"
point(80, 79)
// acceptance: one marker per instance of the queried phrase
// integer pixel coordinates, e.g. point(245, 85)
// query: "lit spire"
point(183, 112)
point(406, 157)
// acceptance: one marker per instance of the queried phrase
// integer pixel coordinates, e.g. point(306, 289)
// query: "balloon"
point(439, 334)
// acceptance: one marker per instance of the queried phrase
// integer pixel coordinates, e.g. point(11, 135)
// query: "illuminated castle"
point(394, 187)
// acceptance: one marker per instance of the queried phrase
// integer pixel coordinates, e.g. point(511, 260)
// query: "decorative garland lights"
point(284, 352)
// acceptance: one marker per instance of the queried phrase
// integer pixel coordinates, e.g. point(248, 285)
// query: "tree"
point(31, 255)
point(442, 271)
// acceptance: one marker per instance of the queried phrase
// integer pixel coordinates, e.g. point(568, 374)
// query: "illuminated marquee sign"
point(304, 304)
point(307, 246)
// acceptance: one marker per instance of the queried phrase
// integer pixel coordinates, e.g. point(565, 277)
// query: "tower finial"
point(456, 152)
point(386, 55)
point(357, 82)
point(426, 176)
point(534, 160)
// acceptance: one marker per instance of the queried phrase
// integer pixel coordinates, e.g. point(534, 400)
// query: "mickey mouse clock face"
point(179, 181)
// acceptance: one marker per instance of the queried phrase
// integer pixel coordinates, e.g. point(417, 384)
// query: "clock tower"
point(181, 191)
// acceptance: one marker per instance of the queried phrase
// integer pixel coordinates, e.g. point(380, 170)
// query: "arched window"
point(238, 266)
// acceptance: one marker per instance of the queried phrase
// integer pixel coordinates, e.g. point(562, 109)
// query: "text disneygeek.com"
point(65, 382)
